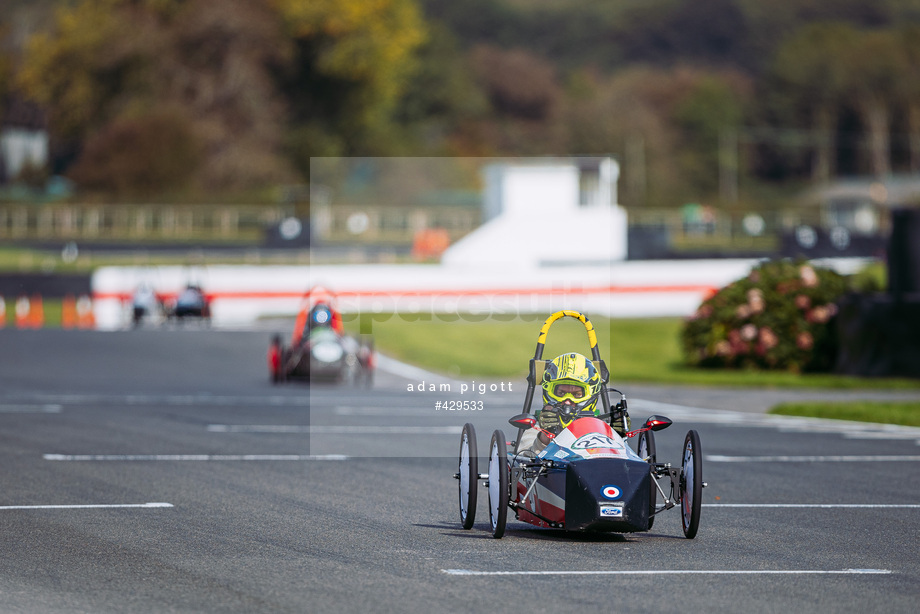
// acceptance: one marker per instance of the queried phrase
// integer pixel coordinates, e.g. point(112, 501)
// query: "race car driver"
point(320, 312)
point(571, 386)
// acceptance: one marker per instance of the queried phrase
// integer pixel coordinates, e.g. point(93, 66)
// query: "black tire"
point(645, 447)
point(469, 475)
point(498, 484)
point(285, 359)
point(367, 371)
point(691, 484)
point(278, 352)
point(365, 360)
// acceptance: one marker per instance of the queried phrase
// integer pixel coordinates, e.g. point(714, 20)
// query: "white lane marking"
point(718, 458)
point(334, 429)
point(785, 424)
point(403, 410)
point(342, 410)
point(172, 400)
point(84, 506)
point(820, 505)
point(47, 408)
point(195, 457)
point(401, 369)
point(657, 572)
point(885, 434)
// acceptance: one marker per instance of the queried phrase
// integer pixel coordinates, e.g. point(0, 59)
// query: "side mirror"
point(523, 421)
point(657, 423)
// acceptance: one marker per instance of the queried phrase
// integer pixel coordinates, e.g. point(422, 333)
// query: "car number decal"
point(594, 440)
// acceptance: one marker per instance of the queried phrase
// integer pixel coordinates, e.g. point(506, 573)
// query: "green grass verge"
point(889, 412)
point(635, 350)
point(23, 260)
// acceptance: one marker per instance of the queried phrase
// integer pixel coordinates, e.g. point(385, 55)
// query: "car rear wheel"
point(691, 484)
point(498, 484)
point(646, 449)
point(469, 475)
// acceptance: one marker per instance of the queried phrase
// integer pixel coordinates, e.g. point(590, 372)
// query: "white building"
point(547, 212)
point(23, 139)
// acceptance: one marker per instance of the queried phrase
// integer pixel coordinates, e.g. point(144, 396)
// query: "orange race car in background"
point(319, 348)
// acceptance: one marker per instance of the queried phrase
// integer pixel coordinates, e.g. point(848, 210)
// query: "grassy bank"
point(636, 350)
point(889, 412)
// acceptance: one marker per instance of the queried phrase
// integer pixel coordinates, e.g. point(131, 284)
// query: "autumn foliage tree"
point(353, 60)
point(109, 67)
point(811, 89)
point(135, 156)
point(238, 77)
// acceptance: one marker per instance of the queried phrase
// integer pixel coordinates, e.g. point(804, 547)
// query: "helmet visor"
point(568, 390)
point(321, 316)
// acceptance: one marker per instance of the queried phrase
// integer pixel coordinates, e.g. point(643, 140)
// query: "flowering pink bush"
point(778, 317)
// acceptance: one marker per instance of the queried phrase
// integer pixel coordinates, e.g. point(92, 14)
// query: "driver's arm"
point(548, 420)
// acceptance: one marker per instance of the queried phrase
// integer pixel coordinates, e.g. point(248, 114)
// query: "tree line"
point(158, 98)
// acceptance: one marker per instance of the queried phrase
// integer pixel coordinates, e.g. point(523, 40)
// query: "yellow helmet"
point(571, 377)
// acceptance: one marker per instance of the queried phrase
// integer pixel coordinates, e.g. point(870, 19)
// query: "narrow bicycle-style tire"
point(498, 484)
point(691, 484)
point(469, 476)
point(646, 449)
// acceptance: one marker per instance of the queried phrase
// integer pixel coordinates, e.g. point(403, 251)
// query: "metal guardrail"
point(137, 222)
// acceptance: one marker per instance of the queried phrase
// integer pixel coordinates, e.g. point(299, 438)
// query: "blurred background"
point(149, 131)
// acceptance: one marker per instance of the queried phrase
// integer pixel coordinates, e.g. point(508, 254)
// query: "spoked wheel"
point(646, 449)
point(691, 484)
point(498, 484)
point(469, 475)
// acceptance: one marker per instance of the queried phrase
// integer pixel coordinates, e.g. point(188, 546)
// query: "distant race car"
point(146, 305)
point(320, 350)
point(586, 478)
point(190, 304)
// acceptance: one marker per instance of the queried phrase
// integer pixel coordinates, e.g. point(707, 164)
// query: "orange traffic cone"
point(22, 312)
point(85, 317)
point(37, 315)
point(69, 312)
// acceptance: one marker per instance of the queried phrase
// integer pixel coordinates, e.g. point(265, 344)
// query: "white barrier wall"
point(242, 294)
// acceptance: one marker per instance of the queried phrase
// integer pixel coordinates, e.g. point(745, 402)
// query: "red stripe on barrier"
point(266, 294)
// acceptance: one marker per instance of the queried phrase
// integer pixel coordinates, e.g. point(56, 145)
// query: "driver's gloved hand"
point(617, 423)
point(549, 419)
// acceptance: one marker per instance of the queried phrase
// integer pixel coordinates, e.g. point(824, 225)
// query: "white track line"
point(168, 399)
point(717, 458)
point(659, 572)
point(378, 410)
point(419, 410)
point(47, 408)
point(818, 505)
point(401, 369)
point(195, 457)
point(791, 424)
point(83, 507)
point(334, 429)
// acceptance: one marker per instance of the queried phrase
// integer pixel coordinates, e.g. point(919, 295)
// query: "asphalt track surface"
point(160, 471)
